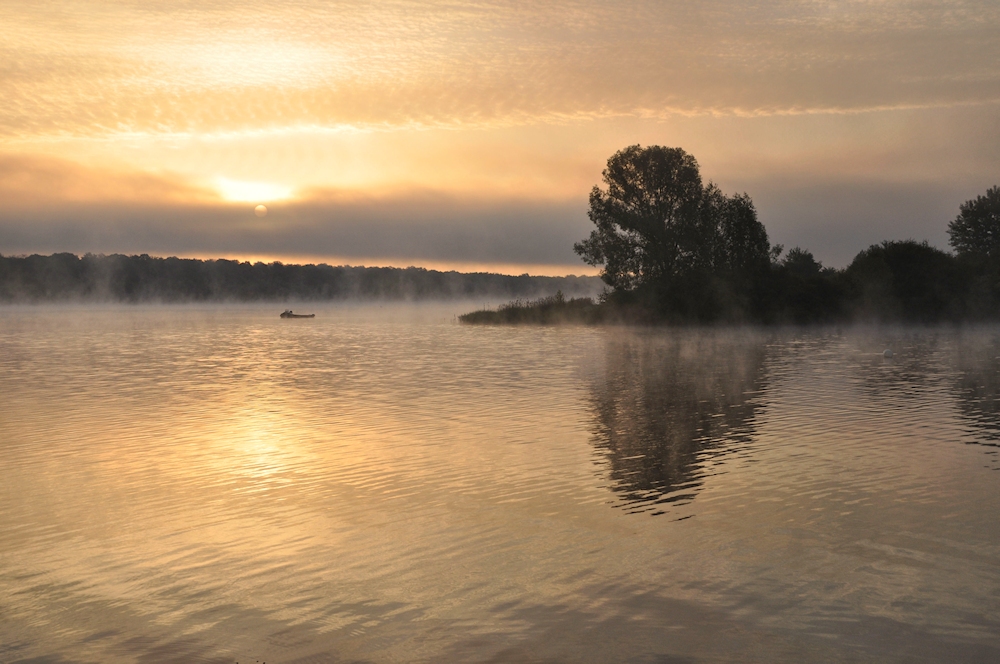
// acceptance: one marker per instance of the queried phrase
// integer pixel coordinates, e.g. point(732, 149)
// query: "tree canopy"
point(646, 219)
point(976, 230)
point(907, 280)
point(676, 250)
point(659, 230)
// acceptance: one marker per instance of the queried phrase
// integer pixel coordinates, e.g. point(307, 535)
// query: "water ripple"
point(186, 484)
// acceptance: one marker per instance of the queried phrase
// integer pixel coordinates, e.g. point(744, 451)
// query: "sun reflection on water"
point(215, 483)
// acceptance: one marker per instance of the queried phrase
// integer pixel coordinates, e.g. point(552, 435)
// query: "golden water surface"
point(383, 484)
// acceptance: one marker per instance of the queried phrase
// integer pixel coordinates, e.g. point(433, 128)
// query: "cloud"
point(29, 182)
point(103, 68)
point(57, 206)
point(831, 184)
point(471, 131)
point(834, 218)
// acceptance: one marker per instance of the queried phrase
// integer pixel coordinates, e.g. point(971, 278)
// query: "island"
point(673, 250)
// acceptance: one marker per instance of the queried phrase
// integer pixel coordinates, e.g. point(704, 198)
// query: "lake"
point(383, 484)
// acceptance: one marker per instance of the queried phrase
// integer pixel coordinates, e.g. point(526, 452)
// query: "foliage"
point(907, 280)
point(975, 232)
point(648, 220)
point(801, 263)
point(673, 250)
point(798, 289)
point(661, 236)
point(61, 277)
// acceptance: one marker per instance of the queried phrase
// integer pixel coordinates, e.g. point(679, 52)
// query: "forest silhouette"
point(120, 278)
point(674, 250)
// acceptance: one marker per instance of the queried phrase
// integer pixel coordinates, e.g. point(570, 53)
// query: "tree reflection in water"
point(671, 406)
point(977, 388)
point(961, 365)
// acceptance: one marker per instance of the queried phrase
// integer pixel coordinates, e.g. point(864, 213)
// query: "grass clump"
point(544, 311)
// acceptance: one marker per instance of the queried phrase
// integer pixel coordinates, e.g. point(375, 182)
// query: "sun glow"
point(240, 191)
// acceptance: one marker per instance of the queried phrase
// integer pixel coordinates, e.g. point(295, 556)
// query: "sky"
point(467, 135)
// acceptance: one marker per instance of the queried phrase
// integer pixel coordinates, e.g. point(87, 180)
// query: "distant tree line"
point(120, 278)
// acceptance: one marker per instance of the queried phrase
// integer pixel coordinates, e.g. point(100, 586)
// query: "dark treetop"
point(975, 232)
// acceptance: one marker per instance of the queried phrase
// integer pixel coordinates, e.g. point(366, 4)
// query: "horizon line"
point(462, 267)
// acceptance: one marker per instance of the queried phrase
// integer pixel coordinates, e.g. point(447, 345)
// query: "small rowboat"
point(287, 313)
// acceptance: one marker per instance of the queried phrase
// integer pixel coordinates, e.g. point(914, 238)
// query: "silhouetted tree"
point(976, 230)
point(648, 219)
point(801, 263)
point(741, 244)
point(661, 233)
point(907, 280)
point(800, 290)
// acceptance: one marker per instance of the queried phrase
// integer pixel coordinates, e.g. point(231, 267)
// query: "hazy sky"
point(468, 134)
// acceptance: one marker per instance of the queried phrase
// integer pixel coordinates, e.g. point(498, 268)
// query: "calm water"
point(385, 485)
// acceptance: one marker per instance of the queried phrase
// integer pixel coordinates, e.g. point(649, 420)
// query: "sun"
point(241, 191)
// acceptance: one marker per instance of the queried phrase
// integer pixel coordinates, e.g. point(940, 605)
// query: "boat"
point(287, 313)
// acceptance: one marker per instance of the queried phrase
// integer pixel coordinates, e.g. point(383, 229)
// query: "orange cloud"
point(461, 130)
point(110, 68)
point(28, 182)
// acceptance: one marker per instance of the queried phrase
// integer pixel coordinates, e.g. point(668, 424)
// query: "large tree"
point(647, 219)
point(658, 227)
point(975, 231)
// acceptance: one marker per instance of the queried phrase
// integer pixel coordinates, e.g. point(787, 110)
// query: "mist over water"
point(382, 484)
